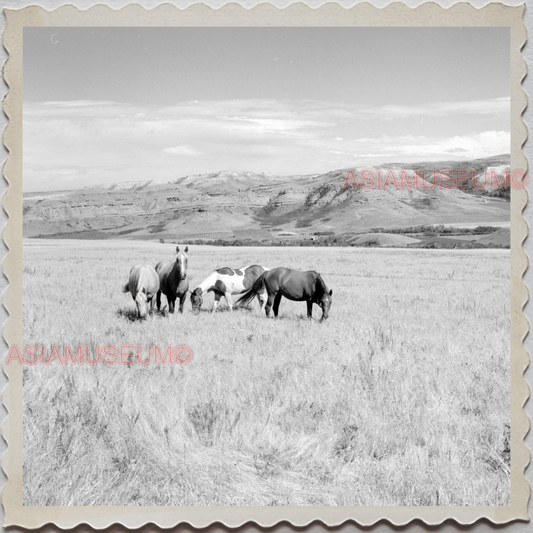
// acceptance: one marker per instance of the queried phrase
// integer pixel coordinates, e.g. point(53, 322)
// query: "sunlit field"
point(401, 397)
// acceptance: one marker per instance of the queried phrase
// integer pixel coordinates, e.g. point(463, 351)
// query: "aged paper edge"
point(396, 14)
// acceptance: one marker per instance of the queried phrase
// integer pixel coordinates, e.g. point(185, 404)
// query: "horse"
point(173, 280)
point(227, 282)
point(294, 285)
point(143, 285)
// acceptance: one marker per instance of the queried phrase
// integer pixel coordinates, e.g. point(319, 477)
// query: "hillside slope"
point(215, 205)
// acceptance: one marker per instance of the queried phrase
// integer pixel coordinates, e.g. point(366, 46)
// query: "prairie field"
point(401, 397)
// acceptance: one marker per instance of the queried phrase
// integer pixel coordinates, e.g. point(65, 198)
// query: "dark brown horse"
point(294, 285)
point(173, 280)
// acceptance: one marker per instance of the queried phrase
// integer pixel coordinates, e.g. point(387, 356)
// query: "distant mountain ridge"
point(222, 204)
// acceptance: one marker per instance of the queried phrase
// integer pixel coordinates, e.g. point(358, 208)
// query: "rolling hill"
point(224, 204)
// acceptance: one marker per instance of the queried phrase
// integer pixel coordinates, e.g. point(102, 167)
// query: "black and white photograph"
point(266, 266)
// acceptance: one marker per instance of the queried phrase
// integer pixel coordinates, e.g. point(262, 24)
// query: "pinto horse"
point(173, 280)
point(294, 285)
point(227, 282)
point(143, 285)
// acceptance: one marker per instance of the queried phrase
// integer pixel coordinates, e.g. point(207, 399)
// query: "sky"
point(106, 105)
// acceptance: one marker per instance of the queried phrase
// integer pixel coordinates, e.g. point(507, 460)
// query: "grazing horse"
point(294, 285)
point(227, 282)
point(143, 286)
point(173, 280)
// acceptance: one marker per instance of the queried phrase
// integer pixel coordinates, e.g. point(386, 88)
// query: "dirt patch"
point(383, 239)
point(501, 237)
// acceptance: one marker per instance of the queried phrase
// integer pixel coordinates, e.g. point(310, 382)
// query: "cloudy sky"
point(107, 105)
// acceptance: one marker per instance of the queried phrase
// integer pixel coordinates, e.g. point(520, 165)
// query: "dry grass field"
point(402, 397)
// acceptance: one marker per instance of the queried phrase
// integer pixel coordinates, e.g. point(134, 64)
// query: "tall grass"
point(402, 397)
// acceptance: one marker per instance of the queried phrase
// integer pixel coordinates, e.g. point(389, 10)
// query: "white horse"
point(143, 285)
point(228, 282)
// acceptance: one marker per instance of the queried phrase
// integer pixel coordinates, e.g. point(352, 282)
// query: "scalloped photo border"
point(396, 14)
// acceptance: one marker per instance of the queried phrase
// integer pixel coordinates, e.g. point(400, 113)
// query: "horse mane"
point(320, 286)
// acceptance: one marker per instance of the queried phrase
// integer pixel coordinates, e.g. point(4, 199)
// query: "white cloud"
point(181, 150)
point(79, 103)
point(494, 106)
point(107, 141)
point(411, 148)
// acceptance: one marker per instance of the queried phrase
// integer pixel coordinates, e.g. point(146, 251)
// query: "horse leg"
point(171, 302)
point(277, 301)
point(216, 302)
point(262, 299)
point(227, 295)
point(159, 300)
point(269, 303)
point(183, 297)
point(309, 309)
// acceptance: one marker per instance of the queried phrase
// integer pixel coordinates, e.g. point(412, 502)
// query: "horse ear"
point(177, 248)
point(186, 249)
point(331, 292)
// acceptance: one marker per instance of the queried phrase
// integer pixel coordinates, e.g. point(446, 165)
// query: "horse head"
point(324, 298)
point(182, 260)
point(325, 303)
point(196, 300)
point(140, 301)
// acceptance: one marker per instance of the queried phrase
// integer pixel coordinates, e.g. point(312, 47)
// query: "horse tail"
point(252, 292)
point(126, 288)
